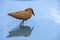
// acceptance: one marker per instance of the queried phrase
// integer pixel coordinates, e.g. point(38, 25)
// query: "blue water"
point(46, 21)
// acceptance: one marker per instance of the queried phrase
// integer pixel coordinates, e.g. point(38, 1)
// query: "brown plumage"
point(22, 15)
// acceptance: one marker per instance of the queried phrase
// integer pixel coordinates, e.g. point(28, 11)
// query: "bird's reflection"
point(22, 31)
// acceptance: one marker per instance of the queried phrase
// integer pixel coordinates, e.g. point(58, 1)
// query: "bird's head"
point(31, 10)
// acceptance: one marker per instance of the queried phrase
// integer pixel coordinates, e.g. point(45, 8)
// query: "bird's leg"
point(22, 23)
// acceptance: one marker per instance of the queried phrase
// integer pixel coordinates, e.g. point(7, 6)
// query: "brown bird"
point(22, 15)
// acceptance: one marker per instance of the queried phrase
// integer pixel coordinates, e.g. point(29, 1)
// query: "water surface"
point(46, 21)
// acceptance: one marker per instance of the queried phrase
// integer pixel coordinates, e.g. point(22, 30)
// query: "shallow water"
point(45, 23)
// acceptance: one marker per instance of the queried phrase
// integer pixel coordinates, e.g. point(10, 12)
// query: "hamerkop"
point(22, 15)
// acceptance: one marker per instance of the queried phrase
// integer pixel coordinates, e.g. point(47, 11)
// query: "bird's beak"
point(33, 13)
